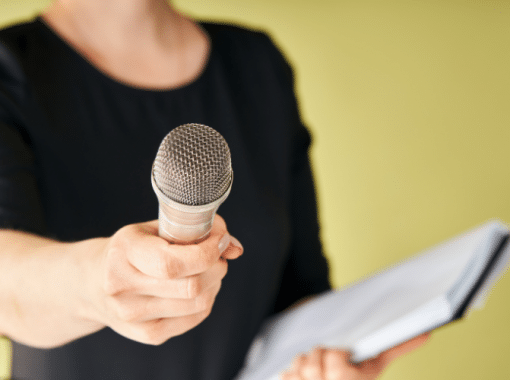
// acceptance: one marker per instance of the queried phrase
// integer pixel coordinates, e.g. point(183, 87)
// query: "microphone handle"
point(185, 224)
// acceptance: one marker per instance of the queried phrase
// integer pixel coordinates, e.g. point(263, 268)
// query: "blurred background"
point(409, 106)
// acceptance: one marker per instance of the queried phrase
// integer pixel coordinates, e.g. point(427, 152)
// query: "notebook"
point(426, 291)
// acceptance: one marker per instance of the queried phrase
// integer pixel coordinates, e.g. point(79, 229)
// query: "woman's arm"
point(42, 286)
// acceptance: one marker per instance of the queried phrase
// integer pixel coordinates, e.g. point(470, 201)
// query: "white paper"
point(388, 308)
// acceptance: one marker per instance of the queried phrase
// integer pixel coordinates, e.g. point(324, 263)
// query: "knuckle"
point(122, 236)
point(113, 251)
point(151, 333)
point(125, 236)
point(194, 287)
point(311, 370)
point(157, 332)
point(209, 258)
point(173, 268)
point(334, 374)
point(194, 320)
point(128, 230)
point(196, 251)
point(201, 316)
point(112, 284)
point(202, 257)
point(204, 302)
point(126, 313)
point(200, 304)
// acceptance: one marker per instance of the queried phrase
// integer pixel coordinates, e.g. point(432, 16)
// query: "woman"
point(88, 91)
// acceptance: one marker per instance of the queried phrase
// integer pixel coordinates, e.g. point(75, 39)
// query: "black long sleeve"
point(76, 150)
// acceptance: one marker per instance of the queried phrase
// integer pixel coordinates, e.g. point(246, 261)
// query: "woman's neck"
point(146, 43)
point(115, 23)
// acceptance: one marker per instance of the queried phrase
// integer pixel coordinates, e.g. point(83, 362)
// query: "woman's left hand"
point(334, 364)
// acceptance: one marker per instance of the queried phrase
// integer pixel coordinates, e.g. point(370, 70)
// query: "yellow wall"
point(409, 104)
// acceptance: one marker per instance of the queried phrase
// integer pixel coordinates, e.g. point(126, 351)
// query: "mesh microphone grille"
point(192, 166)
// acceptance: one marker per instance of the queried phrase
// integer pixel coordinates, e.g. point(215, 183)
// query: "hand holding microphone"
point(151, 290)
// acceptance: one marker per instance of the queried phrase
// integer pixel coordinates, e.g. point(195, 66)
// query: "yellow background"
point(408, 102)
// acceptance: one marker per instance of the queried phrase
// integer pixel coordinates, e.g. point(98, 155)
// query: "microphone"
point(191, 176)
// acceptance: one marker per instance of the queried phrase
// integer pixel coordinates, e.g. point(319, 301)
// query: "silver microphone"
point(192, 176)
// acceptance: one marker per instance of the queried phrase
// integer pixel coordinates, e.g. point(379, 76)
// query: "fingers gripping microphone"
point(192, 176)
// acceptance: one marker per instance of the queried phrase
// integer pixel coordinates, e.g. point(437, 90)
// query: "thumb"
point(233, 250)
point(393, 353)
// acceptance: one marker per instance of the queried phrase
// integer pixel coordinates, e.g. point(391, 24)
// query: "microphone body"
point(185, 224)
point(191, 176)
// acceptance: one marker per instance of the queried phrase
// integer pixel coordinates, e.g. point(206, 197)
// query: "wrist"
point(43, 291)
point(87, 259)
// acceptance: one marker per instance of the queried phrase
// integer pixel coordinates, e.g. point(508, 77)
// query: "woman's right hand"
point(150, 290)
point(135, 282)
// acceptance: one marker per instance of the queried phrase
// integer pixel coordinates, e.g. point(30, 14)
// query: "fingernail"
point(236, 242)
point(224, 243)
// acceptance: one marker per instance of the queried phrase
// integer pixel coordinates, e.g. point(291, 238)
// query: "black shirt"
point(76, 149)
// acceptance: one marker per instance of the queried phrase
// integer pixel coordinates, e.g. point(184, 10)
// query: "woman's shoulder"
point(17, 37)
point(18, 43)
point(240, 39)
point(228, 30)
point(248, 48)
point(15, 42)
